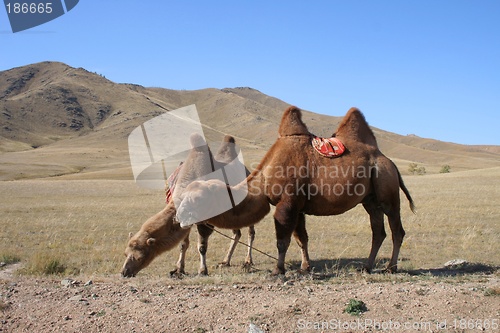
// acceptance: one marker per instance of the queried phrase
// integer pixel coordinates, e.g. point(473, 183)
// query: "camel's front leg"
point(204, 231)
point(285, 220)
point(179, 266)
point(300, 234)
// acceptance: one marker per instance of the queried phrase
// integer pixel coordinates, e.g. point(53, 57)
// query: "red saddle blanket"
point(329, 147)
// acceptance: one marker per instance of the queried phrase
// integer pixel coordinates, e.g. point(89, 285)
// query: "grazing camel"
point(158, 234)
point(297, 180)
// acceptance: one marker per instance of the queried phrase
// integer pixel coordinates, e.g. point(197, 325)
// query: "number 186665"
point(29, 8)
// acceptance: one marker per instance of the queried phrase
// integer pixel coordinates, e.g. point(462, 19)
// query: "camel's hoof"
point(177, 273)
point(302, 271)
point(224, 264)
point(247, 267)
point(278, 271)
point(366, 270)
point(203, 273)
point(391, 270)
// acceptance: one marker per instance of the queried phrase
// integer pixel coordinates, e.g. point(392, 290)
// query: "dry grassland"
point(80, 227)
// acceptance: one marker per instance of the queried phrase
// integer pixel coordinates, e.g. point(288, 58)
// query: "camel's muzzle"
point(127, 273)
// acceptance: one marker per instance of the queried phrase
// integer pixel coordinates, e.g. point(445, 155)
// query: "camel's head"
point(201, 200)
point(139, 253)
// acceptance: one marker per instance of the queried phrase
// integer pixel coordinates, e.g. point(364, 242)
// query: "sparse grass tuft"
point(43, 264)
point(8, 258)
point(494, 291)
point(54, 267)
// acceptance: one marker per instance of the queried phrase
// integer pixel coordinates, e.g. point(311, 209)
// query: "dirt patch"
point(294, 304)
point(7, 271)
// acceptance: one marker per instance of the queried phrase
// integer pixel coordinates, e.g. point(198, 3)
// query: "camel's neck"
point(252, 208)
point(162, 227)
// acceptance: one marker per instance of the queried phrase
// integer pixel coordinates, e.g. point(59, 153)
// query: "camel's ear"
point(129, 235)
point(228, 138)
point(150, 241)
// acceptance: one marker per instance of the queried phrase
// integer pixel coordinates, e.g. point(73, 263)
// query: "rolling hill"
point(60, 121)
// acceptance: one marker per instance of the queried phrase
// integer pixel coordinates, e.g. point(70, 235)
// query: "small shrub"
point(412, 168)
point(355, 307)
point(445, 169)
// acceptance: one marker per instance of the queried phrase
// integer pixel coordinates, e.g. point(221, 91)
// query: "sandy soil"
point(291, 304)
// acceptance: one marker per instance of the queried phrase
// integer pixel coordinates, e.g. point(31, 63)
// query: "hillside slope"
point(58, 120)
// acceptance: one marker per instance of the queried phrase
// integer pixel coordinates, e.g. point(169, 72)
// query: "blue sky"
point(429, 68)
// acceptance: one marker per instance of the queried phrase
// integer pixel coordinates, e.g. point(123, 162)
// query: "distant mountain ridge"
point(59, 120)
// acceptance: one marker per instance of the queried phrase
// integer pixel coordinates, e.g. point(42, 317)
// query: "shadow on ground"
point(330, 268)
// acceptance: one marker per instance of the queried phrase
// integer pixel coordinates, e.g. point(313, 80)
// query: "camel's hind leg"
point(398, 234)
point(378, 231)
point(234, 242)
point(386, 181)
point(300, 234)
point(179, 267)
point(232, 246)
point(204, 232)
point(251, 238)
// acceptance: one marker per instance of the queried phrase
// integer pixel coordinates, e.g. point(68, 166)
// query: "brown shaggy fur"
point(297, 180)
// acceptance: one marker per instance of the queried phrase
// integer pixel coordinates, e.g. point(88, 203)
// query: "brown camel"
point(297, 180)
point(158, 234)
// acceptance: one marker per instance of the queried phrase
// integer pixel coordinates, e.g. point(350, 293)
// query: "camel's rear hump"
point(355, 127)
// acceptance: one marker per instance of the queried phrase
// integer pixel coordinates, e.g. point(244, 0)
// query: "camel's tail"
point(405, 190)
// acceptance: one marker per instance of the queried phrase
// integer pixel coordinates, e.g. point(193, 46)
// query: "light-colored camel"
point(158, 234)
point(297, 180)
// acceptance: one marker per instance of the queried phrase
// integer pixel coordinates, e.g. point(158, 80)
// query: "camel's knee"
point(184, 245)
point(301, 235)
point(236, 234)
point(379, 236)
point(282, 245)
point(202, 249)
point(398, 232)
